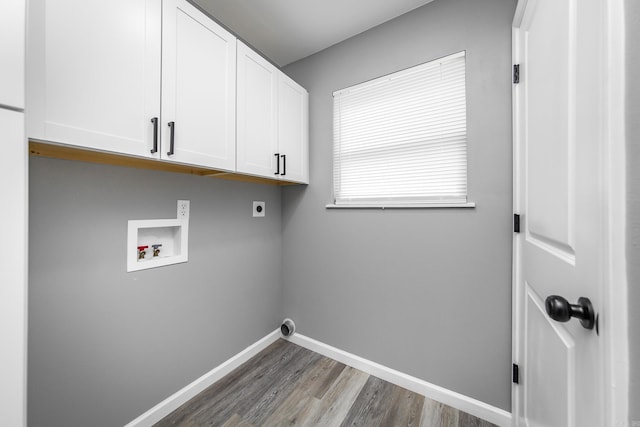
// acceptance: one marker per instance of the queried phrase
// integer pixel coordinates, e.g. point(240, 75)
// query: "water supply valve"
point(156, 249)
point(142, 252)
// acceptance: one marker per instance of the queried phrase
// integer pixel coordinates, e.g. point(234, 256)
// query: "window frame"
point(389, 202)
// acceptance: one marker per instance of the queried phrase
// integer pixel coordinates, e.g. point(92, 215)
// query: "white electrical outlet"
point(183, 209)
point(258, 209)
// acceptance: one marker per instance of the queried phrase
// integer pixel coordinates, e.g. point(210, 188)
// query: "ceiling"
point(288, 30)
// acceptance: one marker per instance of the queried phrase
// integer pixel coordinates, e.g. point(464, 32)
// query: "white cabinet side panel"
point(13, 268)
point(12, 42)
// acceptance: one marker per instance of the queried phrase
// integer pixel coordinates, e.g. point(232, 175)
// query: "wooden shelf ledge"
point(58, 151)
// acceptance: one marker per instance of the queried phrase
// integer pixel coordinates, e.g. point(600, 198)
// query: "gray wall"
point(106, 345)
point(633, 200)
point(426, 292)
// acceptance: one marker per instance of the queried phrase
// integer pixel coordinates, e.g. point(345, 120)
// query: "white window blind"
point(401, 139)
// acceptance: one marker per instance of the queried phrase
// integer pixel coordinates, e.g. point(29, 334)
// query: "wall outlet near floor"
point(183, 209)
point(258, 209)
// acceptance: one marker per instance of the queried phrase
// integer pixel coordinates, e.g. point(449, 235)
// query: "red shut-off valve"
point(142, 252)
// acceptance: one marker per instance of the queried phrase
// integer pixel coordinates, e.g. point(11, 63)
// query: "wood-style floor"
point(287, 385)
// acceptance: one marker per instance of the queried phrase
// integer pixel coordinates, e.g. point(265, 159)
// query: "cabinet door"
point(293, 130)
point(94, 73)
point(198, 88)
point(257, 143)
point(12, 21)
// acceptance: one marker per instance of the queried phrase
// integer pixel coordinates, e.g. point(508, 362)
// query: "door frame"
point(613, 314)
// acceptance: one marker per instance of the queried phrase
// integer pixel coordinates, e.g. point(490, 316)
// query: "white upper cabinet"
point(257, 143)
point(272, 138)
point(159, 79)
point(12, 22)
point(293, 130)
point(198, 88)
point(94, 73)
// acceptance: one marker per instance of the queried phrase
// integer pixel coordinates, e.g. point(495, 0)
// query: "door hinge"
point(516, 223)
point(516, 73)
point(516, 374)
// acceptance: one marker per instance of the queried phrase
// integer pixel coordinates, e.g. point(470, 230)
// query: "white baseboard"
point(176, 400)
point(461, 402)
point(474, 407)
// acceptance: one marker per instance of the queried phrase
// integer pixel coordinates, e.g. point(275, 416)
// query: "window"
point(401, 139)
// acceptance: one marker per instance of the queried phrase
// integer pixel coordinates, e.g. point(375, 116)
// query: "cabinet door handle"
point(172, 126)
point(277, 163)
point(284, 165)
point(155, 135)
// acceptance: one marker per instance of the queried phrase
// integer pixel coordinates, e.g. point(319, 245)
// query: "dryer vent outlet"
point(287, 328)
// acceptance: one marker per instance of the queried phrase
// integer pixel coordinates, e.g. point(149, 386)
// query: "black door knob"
point(560, 310)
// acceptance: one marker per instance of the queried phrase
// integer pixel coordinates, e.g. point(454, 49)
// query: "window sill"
point(407, 206)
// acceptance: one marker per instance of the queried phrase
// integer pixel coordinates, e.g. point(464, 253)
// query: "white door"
point(94, 73)
point(559, 140)
point(257, 143)
point(293, 130)
point(198, 88)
